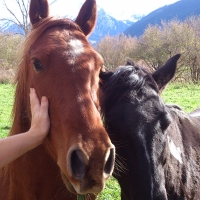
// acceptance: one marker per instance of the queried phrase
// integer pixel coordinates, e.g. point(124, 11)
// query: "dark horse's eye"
point(37, 65)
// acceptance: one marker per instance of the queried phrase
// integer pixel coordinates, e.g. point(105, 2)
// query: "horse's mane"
point(125, 79)
point(21, 110)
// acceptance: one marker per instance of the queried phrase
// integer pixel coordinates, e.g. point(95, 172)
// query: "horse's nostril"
point(77, 164)
point(110, 162)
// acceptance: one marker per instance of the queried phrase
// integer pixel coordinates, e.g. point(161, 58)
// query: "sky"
point(119, 9)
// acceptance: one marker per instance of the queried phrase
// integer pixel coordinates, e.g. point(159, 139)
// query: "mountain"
point(179, 10)
point(107, 25)
point(8, 27)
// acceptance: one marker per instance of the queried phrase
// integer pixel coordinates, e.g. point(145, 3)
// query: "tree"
point(9, 45)
point(18, 13)
point(156, 45)
point(116, 49)
point(159, 43)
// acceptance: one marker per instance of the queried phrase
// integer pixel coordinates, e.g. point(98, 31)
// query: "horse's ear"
point(104, 77)
point(87, 16)
point(165, 73)
point(129, 61)
point(39, 9)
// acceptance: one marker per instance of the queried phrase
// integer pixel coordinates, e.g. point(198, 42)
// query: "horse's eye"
point(37, 65)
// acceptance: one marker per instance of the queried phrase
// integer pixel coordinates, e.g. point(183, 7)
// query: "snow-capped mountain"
point(106, 25)
point(8, 27)
point(179, 10)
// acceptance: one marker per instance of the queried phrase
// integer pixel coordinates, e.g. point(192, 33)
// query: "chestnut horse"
point(77, 157)
point(159, 144)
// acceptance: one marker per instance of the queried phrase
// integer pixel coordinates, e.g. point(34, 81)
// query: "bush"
point(116, 49)
point(9, 48)
point(156, 46)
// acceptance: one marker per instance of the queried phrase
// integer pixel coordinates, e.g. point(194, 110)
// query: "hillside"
point(179, 10)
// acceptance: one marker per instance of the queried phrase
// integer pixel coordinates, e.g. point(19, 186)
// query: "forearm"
point(14, 146)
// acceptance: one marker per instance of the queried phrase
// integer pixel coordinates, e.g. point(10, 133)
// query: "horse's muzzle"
point(90, 172)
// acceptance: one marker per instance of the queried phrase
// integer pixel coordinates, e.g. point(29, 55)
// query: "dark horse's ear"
point(129, 61)
point(87, 16)
point(104, 77)
point(165, 73)
point(39, 9)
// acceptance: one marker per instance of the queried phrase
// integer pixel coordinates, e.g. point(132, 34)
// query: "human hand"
point(40, 123)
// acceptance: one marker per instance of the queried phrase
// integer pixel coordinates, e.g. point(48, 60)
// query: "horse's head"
point(136, 116)
point(59, 62)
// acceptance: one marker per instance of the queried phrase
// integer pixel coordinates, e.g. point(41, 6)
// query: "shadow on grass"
point(6, 128)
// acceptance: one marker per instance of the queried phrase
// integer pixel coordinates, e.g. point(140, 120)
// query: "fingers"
point(35, 103)
point(40, 122)
point(44, 107)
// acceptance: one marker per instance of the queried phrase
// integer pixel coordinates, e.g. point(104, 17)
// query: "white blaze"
point(75, 51)
point(76, 47)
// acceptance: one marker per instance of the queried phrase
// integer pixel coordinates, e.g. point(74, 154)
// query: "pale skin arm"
point(14, 146)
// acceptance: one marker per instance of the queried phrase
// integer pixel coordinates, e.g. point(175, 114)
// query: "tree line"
point(156, 46)
point(151, 50)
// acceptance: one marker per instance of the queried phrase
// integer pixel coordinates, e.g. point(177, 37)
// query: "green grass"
point(6, 103)
point(111, 191)
point(186, 96)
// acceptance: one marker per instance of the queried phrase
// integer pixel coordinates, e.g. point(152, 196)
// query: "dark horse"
point(159, 144)
point(77, 156)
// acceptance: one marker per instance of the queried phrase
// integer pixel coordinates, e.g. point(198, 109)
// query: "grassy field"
point(6, 102)
point(186, 96)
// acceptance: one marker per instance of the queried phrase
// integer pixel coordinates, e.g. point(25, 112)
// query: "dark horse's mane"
point(21, 93)
point(123, 80)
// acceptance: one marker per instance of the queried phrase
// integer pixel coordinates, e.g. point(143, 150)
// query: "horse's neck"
point(36, 173)
point(183, 137)
point(195, 113)
point(33, 164)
